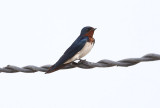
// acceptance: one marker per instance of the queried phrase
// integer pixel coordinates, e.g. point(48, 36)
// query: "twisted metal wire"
point(84, 64)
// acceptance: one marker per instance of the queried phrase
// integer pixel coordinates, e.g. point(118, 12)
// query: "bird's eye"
point(88, 29)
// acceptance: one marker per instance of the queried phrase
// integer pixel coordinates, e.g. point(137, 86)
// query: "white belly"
point(84, 51)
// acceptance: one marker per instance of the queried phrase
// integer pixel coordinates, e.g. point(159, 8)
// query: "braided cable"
point(84, 64)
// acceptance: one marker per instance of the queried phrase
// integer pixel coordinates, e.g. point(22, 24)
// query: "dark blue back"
point(76, 46)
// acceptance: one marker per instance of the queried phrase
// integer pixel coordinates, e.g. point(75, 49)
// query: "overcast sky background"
point(37, 32)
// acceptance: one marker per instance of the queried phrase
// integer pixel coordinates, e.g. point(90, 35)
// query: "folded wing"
point(77, 45)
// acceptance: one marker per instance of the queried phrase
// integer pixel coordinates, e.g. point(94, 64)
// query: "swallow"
point(79, 48)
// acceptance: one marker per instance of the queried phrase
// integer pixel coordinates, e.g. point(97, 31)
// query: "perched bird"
point(79, 48)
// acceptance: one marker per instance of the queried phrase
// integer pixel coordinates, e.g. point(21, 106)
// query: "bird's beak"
point(94, 28)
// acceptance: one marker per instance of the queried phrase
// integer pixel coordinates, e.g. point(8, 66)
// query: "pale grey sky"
point(37, 32)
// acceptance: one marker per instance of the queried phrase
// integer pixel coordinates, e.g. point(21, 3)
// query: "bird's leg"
point(74, 63)
point(81, 60)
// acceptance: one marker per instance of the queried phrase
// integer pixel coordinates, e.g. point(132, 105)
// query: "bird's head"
point(88, 31)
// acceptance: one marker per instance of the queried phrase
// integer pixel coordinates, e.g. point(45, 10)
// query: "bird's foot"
point(81, 60)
